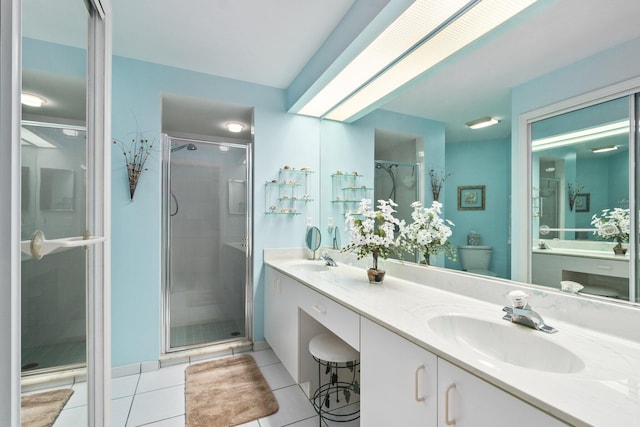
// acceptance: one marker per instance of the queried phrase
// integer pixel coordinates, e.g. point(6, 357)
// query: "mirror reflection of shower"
point(175, 206)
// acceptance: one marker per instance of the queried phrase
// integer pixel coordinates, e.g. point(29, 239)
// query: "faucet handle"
point(518, 298)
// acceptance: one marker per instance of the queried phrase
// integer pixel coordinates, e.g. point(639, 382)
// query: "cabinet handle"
point(448, 421)
point(417, 383)
point(319, 309)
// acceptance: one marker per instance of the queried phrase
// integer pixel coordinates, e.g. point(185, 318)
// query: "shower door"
point(206, 230)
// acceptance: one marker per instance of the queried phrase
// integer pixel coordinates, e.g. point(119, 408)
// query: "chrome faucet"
point(328, 260)
point(520, 312)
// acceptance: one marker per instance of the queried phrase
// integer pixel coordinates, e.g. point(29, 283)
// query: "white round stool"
point(335, 356)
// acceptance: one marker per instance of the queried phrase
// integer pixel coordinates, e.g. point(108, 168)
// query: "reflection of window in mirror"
point(580, 167)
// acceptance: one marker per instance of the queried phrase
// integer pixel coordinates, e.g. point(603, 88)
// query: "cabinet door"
point(398, 380)
point(466, 400)
point(281, 318)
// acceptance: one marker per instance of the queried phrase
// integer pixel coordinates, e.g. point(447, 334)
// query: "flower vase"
point(427, 258)
point(376, 277)
point(618, 249)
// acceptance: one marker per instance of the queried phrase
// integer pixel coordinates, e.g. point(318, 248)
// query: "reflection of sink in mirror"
point(506, 342)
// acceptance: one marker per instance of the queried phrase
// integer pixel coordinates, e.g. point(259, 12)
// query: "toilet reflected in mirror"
point(476, 259)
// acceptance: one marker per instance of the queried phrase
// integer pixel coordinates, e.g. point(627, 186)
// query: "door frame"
point(166, 185)
point(99, 211)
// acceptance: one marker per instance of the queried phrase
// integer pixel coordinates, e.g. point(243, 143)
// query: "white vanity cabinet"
point(281, 318)
point(466, 400)
point(398, 380)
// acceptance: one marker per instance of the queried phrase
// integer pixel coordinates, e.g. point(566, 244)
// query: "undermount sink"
point(317, 266)
point(506, 342)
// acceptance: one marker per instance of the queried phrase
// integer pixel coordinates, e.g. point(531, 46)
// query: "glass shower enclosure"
point(206, 207)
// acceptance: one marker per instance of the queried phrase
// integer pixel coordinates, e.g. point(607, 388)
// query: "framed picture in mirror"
point(582, 202)
point(471, 197)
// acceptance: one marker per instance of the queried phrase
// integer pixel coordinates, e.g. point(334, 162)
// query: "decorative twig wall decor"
point(437, 180)
point(136, 152)
point(572, 193)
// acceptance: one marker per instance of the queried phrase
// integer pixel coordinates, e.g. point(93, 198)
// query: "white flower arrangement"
point(373, 234)
point(428, 233)
point(612, 224)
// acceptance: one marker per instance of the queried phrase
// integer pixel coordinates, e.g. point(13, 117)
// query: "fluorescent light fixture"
point(418, 20)
point(223, 148)
point(482, 123)
point(589, 134)
point(438, 45)
point(32, 100)
point(31, 138)
point(604, 149)
point(70, 132)
point(234, 127)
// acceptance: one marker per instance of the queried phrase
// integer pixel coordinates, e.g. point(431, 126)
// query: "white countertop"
point(605, 393)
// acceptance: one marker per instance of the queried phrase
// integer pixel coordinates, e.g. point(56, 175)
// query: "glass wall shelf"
point(347, 191)
point(285, 195)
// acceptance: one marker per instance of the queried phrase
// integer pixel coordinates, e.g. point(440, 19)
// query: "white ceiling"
point(258, 41)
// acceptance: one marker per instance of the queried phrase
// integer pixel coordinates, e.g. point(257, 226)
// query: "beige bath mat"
point(42, 409)
point(227, 392)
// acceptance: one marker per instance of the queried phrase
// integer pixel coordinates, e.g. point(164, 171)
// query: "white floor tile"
point(171, 422)
point(265, 357)
point(294, 407)
point(156, 405)
point(73, 417)
point(277, 376)
point(120, 411)
point(79, 396)
point(124, 386)
point(162, 378)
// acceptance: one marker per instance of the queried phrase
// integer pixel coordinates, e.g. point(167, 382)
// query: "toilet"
point(476, 259)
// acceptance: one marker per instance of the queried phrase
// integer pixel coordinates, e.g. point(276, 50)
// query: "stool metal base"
point(327, 398)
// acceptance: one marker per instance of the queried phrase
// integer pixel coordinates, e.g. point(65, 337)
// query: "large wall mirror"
point(570, 174)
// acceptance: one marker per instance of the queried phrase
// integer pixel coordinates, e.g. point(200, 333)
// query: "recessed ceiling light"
point(234, 127)
point(604, 149)
point(32, 100)
point(483, 122)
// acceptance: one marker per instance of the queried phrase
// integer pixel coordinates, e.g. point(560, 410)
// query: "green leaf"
point(356, 387)
point(350, 366)
point(347, 395)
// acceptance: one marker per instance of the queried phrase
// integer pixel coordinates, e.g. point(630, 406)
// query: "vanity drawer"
point(335, 317)
point(604, 267)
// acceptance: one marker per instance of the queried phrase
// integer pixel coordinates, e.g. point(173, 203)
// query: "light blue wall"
point(490, 160)
point(280, 138)
point(601, 70)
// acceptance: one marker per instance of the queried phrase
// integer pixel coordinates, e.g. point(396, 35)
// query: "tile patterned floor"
point(156, 399)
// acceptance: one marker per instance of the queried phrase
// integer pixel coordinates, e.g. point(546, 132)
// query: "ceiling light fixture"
point(70, 132)
point(482, 123)
point(604, 149)
point(234, 127)
point(428, 32)
point(223, 148)
point(32, 100)
point(31, 138)
point(589, 134)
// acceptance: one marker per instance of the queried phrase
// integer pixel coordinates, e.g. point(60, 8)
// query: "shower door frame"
point(166, 243)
